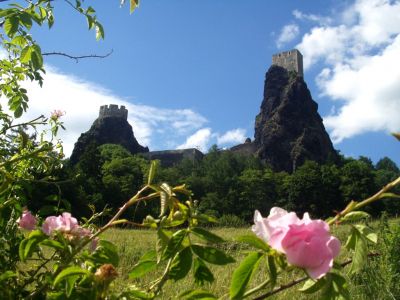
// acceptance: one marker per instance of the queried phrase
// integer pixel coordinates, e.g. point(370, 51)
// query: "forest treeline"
point(227, 185)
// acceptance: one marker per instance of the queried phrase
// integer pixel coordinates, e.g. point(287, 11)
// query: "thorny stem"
point(257, 288)
point(297, 281)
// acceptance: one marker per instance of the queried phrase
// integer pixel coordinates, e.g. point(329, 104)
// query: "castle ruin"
point(290, 60)
point(113, 110)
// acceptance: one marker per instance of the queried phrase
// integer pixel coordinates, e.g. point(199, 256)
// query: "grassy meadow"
point(379, 279)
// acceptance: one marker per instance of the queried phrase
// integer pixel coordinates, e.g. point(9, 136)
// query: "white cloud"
point(322, 20)
point(81, 101)
point(234, 136)
point(288, 33)
point(199, 140)
point(204, 138)
point(360, 67)
point(372, 94)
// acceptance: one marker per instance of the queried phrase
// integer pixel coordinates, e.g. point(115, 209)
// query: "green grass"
point(378, 280)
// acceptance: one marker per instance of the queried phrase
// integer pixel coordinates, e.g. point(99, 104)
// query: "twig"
point(77, 58)
point(29, 123)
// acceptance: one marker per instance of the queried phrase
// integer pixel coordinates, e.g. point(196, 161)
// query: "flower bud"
point(106, 273)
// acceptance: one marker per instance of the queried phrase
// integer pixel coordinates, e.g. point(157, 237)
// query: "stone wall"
point(290, 60)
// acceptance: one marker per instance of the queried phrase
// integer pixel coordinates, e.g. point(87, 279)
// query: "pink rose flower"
point(63, 223)
point(27, 220)
point(306, 243)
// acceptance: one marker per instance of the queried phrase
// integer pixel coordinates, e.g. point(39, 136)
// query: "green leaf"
point(254, 241)
point(26, 54)
point(142, 268)
point(37, 59)
point(272, 269)
point(7, 275)
point(163, 203)
point(205, 218)
point(70, 284)
point(335, 288)
point(43, 13)
point(90, 10)
point(174, 243)
point(135, 293)
point(68, 272)
point(106, 252)
point(21, 249)
point(149, 255)
point(18, 112)
point(355, 216)
point(11, 25)
point(212, 255)
point(367, 232)
point(207, 235)
point(133, 5)
point(50, 19)
point(152, 172)
point(99, 31)
point(181, 264)
point(396, 135)
point(311, 286)
point(163, 237)
point(53, 244)
point(27, 246)
point(90, 21)
point(197, 295)
point(201, 272)
point(242, 275)
point(26, 20)
point(19, 41)
point(359, 244)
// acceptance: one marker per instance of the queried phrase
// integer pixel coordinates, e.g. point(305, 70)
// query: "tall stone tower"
point(291, 60)
point(113, 110)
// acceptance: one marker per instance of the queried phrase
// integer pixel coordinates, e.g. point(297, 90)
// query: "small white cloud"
point(321, 20)
point(288, 33)
point(234, 136)
point(199, 140)
point(205, 137)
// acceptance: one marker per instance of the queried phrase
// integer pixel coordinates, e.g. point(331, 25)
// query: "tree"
point(387, 164)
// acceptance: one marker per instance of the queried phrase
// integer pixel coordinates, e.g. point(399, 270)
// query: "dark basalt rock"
point(108, 130)
point(288, 129)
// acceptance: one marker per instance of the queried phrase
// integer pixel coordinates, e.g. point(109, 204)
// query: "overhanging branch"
point(77, 58)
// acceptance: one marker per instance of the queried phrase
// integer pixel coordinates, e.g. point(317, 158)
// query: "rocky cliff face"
point(288, 129)
point(109, 130)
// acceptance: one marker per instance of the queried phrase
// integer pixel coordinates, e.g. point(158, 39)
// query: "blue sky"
point(192, 72)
